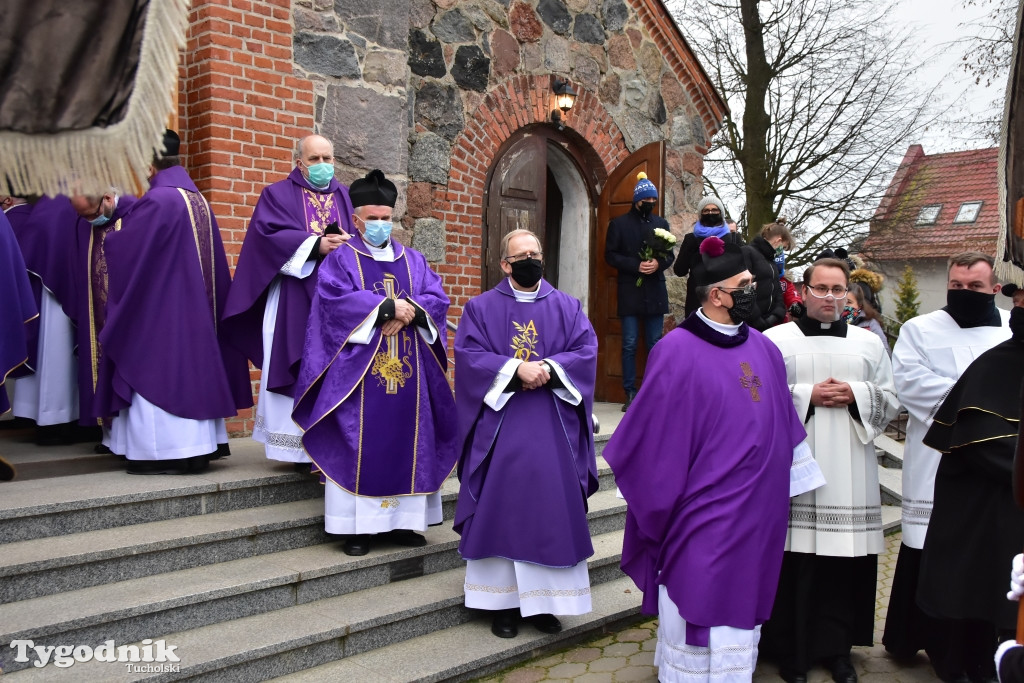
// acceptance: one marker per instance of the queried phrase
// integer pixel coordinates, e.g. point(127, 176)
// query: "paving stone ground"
point(628, 655)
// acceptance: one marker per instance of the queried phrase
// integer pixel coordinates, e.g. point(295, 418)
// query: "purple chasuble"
point(287, 213)
point(17, 313)
point(527, 469)
point(702, 458)
point(19, 218)
point(168, 280)
point(379, 418)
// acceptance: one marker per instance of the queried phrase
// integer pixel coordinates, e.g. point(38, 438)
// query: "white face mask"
point(377, 233)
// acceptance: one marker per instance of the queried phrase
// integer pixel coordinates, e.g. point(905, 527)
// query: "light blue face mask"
point(377, 233)
point(99, 220)
point(320, 175)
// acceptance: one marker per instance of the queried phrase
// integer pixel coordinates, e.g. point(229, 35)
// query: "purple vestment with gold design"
point(17, 313)
point(379, 418)
point(168, 278)
point(526, 470)
point(287, 213)
point(703, 459)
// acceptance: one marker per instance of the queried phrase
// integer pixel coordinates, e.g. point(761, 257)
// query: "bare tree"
point(823, 108)
point(987, 51)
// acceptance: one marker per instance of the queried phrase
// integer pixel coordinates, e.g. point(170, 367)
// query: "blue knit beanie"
point(644, 189)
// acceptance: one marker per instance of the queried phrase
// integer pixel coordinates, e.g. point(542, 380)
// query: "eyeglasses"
point(519, 257)
point(822, 291)
point(749, 289)
point(93, 215)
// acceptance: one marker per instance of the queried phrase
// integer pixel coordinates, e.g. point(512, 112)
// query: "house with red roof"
point(935, 206)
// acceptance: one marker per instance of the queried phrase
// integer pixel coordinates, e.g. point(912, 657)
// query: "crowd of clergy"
point(745, 456)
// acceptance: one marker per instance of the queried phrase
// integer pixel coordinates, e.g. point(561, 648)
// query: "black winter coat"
point(689, 256)
point(761, 264)
point(627, 235)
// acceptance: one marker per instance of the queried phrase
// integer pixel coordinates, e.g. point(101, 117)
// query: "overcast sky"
point(936, 25)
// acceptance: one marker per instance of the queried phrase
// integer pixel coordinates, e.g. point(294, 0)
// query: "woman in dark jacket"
point(711, 222)
point(771, 308)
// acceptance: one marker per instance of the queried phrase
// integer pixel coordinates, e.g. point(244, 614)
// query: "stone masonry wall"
point(427, 91)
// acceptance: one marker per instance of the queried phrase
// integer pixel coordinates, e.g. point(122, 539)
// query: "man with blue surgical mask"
point(297, 223)
point(372, 394)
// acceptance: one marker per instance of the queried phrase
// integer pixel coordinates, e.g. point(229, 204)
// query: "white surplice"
point(844, 517)
point(273, 425)
point(930, 355)
point(50, 395)
point(143, 431)
point(347, 513)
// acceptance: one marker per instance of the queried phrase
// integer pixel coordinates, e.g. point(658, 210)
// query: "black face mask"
point(646, 208)
point(527, 272)
point(1017, 323)
point(711, 220)
point(971, 309)
point(743, 306)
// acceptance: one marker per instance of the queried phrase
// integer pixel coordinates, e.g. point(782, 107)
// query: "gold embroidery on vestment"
point(525, 342)
point(750, 381)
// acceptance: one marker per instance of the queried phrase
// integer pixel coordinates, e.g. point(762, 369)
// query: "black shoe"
point(357, 545)
point(303, 467)
point(223, 451)
point(406, 537)
point(791, 676)
point(100, 449)
point(629, 400)
point(842, 670)
point(54, 435)
point(6, 470)
point(173, 466)
point(196, 465)
point(505, 623)
point(545, 623)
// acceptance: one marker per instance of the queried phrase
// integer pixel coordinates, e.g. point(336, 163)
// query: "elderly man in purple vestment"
point(296, 223)
point(46, 230)
point(527, 361)
point(165, 375)
point(707, 458)
point(86, 301)
point(372, 398)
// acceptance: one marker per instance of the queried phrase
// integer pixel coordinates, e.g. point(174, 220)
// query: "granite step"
point(292, 638)
point(436, 657)
point(31, 569)
point(44, 508)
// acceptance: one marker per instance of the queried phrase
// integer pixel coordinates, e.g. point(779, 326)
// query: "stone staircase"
point(234, 569)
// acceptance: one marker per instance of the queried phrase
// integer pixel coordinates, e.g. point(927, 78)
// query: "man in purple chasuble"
point(296, 223)
point(17, 315)
point(526, 358)
point(373, 398)
point(46, 233)
point(165, 375)
point(99, 218)
point(707, 458)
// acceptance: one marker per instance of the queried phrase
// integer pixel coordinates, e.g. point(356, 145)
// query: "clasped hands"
point(533, 374)
point(404, 313)
point(831, 394)
point(329, 243)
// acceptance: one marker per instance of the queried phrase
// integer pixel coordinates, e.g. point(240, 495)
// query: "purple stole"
point(98, 279)
point(391, 386)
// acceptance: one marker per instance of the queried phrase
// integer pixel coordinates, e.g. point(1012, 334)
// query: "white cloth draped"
point(844, 517)
point(930, 355)
point(495, 583)
point(730, 657)
point(50, 396)
point(143, 431)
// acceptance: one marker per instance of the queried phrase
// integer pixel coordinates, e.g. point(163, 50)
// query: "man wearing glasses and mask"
point(708, 492)
point(527, 363)
point(842, 387)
